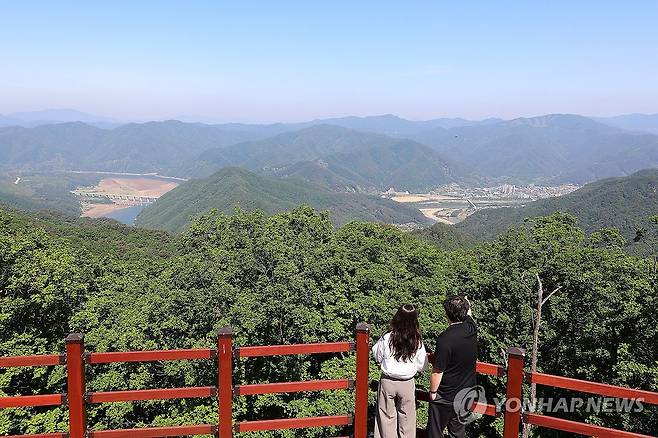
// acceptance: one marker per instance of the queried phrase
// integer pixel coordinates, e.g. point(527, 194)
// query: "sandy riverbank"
point(135, 186)
point(101, 210)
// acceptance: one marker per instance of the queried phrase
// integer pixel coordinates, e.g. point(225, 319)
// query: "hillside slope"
point(235, 187)
point(37, 192)
point(624, 203)
point(346, 158)
point(404, 165)
point(289, 147)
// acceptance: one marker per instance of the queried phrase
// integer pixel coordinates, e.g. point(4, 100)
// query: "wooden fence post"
point(225, 381)
point(362, 373)
point(75, 374)
point(514, 395)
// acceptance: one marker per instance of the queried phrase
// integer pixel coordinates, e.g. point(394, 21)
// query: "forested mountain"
point(319, 173)
point(146, 147)
point(293, 278)
point(548, 149)
point(50, 192)
point(235, 187)
point(50, 146)
point(624, 203)
point(290, 147)
point(345, 158)
point(404, 165)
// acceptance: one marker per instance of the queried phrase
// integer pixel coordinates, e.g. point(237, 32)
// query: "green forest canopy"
point(293, 277)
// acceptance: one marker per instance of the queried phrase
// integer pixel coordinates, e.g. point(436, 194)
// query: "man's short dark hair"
point(456, 308)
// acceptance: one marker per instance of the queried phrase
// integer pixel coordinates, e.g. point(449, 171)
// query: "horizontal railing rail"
point(490, 369)
point(23, 401)
point(151, 394)
point(592, 387)
point(32, 361)
point(41, 435)
point(578, 428)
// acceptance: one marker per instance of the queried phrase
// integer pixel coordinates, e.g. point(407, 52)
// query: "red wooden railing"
point(77, 398)
point(516, 374)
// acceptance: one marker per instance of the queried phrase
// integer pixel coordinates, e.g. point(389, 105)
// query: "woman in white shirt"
point(401, 354)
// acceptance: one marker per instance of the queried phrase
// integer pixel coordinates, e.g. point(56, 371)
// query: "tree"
point(541, 300)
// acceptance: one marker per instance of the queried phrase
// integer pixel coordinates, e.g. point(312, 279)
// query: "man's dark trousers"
point(442, 415)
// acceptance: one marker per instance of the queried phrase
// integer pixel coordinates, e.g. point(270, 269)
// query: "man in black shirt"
point(453, 369)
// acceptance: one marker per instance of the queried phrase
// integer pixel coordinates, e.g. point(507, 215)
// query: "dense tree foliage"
point(292, 278)
point(444, 235)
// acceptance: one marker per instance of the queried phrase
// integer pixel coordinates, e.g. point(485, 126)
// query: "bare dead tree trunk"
point(535, 344)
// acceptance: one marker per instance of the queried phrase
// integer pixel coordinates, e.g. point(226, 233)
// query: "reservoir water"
point(126, 215)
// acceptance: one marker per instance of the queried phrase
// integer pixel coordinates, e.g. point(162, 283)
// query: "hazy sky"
point(279, 60)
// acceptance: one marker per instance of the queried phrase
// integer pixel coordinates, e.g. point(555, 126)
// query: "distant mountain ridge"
point(633, 122)
point(548, 150)
point(30, 119)
point(394, 126)
point(388, 124)
point(235, 187)
point(551, 149)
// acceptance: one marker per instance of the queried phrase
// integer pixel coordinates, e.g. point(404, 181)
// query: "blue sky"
point(287, 61)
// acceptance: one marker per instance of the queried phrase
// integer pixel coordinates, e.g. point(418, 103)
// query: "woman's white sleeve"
point(378, 350)
point(421, 358)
